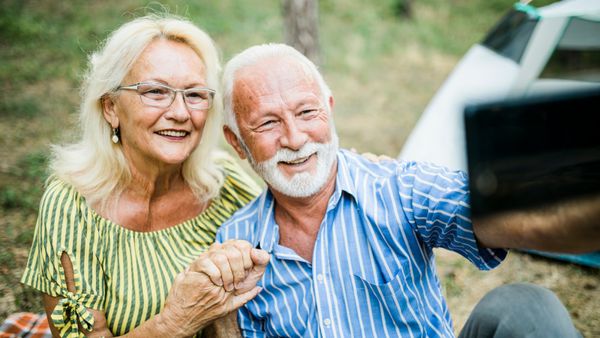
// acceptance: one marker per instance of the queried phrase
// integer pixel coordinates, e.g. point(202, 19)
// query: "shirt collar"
point(269, 235)
point(344, 181)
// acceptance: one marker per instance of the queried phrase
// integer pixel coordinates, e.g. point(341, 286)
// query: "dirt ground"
point(577, 287)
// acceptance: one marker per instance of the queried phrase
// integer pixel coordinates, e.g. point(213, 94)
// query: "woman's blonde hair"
point(95, 166)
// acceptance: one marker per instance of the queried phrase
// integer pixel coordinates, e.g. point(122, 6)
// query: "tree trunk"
point(404, 8)
point(301, 27)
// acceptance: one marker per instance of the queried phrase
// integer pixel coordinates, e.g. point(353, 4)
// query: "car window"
point(577, 55)
point(511, 35)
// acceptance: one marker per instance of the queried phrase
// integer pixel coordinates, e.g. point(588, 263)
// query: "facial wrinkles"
point(159, 63)
point(244, 97)
point(303, 184)
point(269, 84)
point(293, 86)
point(169, 62)
point(253, 98)
point(176, 65)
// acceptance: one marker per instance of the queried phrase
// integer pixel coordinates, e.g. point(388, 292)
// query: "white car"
point(530, 51)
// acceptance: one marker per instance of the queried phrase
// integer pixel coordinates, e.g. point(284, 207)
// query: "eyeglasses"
point(162, 96)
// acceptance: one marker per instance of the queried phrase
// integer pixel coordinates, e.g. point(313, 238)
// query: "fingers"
point(376, 158)
point(370, 156)
point(233, 265)
point(244, 248)
point(260, 257)
point(239, 300)
point(237, 253)
point(226, 264)
point(208, 267)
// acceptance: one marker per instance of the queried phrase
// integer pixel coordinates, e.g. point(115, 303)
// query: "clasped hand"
point(221, 280)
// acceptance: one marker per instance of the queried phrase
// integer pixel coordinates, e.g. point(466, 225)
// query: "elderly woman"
point(130, 210)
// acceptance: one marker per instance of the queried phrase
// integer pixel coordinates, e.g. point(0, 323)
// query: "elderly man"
point(351, 240)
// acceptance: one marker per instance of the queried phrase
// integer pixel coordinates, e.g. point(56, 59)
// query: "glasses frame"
point(135, 87)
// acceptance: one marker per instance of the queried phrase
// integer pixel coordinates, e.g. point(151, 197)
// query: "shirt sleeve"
point(58, 231)
point(436, 202)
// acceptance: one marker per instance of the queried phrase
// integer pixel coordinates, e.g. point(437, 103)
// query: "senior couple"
point(336, 246)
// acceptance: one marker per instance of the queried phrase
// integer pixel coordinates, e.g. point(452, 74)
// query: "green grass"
point(382, 70)
point(24, 192)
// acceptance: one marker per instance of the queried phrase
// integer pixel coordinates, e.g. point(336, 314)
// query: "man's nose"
point(293, 137)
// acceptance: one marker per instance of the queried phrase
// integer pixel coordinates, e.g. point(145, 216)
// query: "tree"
point(301, 27)
point(403, 8)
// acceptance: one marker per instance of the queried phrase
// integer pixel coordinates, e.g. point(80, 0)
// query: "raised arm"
point(572, 226)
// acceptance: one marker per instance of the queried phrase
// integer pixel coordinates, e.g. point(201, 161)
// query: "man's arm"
point(572, 226)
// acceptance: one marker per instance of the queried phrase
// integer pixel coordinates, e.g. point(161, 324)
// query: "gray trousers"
point(519, 311)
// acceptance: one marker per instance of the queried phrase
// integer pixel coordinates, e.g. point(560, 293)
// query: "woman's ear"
point(109, 112)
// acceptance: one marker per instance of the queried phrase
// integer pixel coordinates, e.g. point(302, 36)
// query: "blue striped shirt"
point(373, 271)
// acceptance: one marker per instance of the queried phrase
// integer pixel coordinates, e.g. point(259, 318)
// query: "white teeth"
point(300, 160)
point(173, 133)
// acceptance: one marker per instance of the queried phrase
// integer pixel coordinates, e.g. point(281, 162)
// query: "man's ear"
point(331, 103)
point(108, 110)
point(233, 141)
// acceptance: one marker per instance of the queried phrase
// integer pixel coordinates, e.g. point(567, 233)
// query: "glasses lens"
point(198, 98)
point(155, 95)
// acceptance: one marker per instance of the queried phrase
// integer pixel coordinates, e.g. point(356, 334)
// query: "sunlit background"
point(382, 68)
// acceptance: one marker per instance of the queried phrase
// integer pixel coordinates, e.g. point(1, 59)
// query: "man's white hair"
point(95, 166)
point(254, 55)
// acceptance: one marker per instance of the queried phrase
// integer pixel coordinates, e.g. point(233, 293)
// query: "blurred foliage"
point(27, 182)
point(19, 107)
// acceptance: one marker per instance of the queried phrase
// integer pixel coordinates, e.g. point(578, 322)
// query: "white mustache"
point(287, 155)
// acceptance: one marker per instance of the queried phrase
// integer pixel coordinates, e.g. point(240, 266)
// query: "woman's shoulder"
point(238, 183)
point(59, 214)
point(234, 170)
point(55, 188)
point(227, 162)
point(60, 201)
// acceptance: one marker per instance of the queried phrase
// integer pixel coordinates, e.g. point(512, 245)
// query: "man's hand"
point(570, 226)
point(372, 157)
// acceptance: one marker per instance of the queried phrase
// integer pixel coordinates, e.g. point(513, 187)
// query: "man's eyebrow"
point(310, 100)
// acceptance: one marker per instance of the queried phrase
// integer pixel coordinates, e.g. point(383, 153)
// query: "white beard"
point(304, 184)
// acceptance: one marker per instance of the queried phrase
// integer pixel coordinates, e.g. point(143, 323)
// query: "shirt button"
point(320, 277)
point(327, 322)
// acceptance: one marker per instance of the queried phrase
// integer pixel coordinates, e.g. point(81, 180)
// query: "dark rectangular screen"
point(528, 152)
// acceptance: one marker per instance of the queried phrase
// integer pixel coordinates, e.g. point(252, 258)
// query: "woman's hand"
point(372, 157)
point(229, 263)
point(221, 280)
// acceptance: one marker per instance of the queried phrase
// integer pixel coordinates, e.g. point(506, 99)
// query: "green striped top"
point(126, 274)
